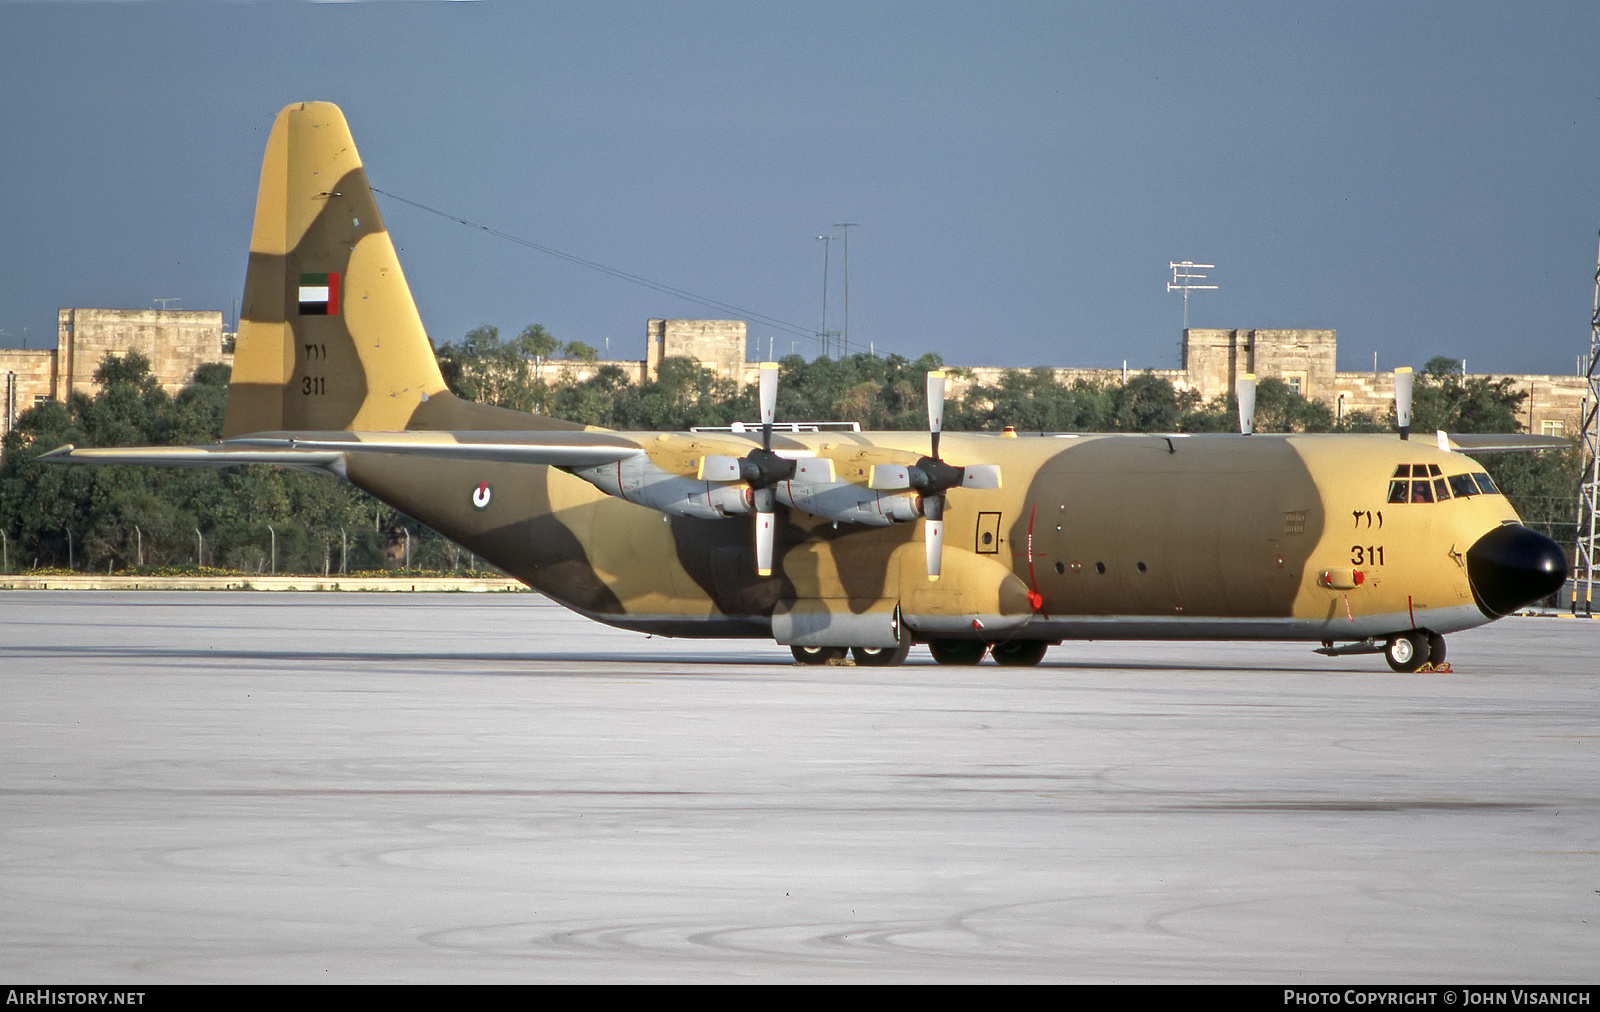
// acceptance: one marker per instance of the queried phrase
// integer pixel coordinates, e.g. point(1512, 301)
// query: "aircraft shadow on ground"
point(291, 659)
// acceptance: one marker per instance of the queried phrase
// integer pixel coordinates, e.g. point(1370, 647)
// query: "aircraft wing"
point(1498, 442)
point(316, 449)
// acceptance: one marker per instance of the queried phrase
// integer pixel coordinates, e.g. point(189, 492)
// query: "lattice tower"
point(1583, 568)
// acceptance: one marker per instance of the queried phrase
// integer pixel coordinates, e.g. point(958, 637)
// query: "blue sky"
point(1422, 177)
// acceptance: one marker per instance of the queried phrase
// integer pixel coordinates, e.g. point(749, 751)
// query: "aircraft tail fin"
point(329, 337)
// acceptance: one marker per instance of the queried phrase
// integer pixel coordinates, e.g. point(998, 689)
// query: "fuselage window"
point(1463, 485)
point(1414, 483)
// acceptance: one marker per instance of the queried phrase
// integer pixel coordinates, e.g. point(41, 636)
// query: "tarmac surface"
point(239, 787)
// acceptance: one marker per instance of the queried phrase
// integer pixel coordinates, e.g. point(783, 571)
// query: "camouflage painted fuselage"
point(1117, 536)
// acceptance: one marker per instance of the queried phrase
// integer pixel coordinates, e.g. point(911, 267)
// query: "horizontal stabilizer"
point(557, 449)
point(217, 456)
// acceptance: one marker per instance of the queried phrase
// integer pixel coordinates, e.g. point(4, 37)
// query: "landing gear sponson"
point(1019, 653)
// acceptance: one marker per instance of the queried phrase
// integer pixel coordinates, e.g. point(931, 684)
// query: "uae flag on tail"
point(319, 294)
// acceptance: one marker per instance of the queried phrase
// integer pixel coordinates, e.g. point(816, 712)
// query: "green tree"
point(1280, 408)
point(1441, 398)
point(580, 351)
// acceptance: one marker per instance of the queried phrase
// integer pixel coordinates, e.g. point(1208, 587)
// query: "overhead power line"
point(666, 289)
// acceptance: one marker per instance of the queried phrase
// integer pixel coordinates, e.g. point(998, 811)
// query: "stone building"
point(177, 342)
point(718, 345)
point(1306, 360)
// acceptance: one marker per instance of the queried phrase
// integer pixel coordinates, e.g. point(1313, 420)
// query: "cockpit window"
point(1414, 483)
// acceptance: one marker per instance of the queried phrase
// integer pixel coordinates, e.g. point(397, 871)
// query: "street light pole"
point(822, 335)
point(847, 226)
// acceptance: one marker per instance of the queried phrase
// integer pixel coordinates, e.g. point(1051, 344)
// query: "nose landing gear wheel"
point(880, 657)
point(1407, 651)
point(1020, 654)
point(816, 655)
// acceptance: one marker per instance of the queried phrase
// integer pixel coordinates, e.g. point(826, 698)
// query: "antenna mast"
point(1183, 278)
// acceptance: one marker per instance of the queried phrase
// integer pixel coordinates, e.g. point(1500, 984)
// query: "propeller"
point(1247, 403)
point(764, 469)
point(1402, 400)
point(932, 477)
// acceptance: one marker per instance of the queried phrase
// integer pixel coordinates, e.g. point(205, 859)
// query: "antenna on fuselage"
point(1402, 400)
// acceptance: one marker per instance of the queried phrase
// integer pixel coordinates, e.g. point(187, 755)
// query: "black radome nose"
point(1512, 566)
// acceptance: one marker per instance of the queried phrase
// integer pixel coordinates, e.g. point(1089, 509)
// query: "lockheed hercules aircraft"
point(828, 541)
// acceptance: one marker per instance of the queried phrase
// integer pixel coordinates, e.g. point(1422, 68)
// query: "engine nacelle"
point(638, 480)
point(847, 503)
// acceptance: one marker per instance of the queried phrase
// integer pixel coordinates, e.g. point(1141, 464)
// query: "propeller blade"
point(933, 544)
point(764, 539)
point(1247, 403)
point(933, 533)
point(981, 476)
point(718, 468)
point(935, 407)
point(890, 476)
point(1402, 400)
point(813, 469)
point(769, 392)
point(765, 531)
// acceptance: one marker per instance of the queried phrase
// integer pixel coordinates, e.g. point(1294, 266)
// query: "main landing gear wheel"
point(816, 655)
point(1435, 649)
point(880, 657)
point(1408, 651)
point(1020, 653)
point(957, 651)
